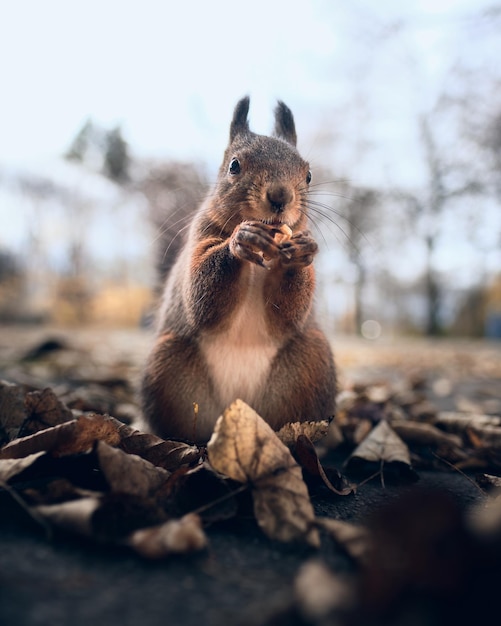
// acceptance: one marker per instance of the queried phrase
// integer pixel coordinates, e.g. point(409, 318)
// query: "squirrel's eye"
point(308, 177)
point(234, 167)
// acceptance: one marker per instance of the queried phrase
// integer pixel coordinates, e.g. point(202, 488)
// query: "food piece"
point(284, 233)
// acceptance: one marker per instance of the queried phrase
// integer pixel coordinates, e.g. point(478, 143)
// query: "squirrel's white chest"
point(239, 357)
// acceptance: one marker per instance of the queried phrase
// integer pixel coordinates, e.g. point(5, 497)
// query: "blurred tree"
point(174, 191)
point(80, 145)
point(102, 150)
point(116, 156)
point(345, 219)
point(11, 287)
point(361, 215)
point(446, 180)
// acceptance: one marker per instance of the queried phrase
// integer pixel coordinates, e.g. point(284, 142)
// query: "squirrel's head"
point(263, 178)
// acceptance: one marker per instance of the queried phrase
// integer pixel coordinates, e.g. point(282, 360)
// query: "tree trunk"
point(433, 293)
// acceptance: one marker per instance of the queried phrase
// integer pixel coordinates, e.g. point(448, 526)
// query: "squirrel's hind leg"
point(302, 383)
point(175, 391)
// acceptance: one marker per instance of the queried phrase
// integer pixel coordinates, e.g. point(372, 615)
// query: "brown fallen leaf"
point(244, 448)
point(9, 468)
point(74, 516)
point(199, 489)
point(44, 410)
point(12, 411)
point(180, 536)
point(454, 422)
point(320, 593)
point(309, 461)
point(315, 431)
point(164, 453)
point(383, 446)
point(129, 473)
point(55, 491)
point(107, 518)
point(424, 434)
point(72, 437)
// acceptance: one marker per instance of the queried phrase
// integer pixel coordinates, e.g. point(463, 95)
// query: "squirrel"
point(236, 318)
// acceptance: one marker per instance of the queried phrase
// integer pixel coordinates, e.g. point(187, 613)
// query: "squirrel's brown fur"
point(232, 324)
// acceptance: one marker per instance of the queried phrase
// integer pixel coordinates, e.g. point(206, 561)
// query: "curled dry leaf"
point(72, 437)
point(315, 431)
point(129, 473)
point(164, 453)
point(244, 447)
point(179, 536)
point(309, 461)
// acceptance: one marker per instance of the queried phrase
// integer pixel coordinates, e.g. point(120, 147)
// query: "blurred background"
point(115, 115)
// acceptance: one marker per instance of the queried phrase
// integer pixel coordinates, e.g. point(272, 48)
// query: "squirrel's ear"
point(284, 123)
point(239, 123)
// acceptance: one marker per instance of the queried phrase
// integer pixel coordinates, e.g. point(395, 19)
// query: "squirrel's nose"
point(279, 196)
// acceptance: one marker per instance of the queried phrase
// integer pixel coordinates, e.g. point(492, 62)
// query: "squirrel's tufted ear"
point(239, 123)
point(284, 123)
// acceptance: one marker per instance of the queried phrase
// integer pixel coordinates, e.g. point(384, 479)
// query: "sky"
point(356, 73)
point(170, 72)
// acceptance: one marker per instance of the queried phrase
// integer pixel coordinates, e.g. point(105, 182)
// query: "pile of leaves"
point(88, 473)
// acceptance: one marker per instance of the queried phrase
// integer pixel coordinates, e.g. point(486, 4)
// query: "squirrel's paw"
point(254, 242)
point(299, 250)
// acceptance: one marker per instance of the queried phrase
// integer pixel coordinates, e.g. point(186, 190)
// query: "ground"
point(243, 578)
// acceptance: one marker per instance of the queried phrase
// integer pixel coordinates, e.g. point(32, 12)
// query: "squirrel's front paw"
point(299, 250)
point(254, 242)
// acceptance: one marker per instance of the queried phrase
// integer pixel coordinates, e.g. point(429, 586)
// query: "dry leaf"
point(319, 592)
point(315, 431)
point(244, 447)
point(74, 516)
point(12, 467)
point(44, 411)
point(458, 422)
point(173, 537)
point(12, 411)
point(308, 459)
point(129, 473)
point(56, 491)
point(71, 437)
point(383, 444)
point(199, 489)
point(384, 448)
point(167, 454)
point(424, 434)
